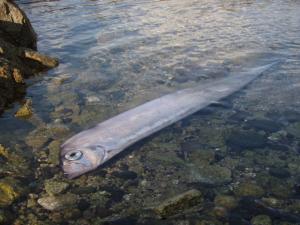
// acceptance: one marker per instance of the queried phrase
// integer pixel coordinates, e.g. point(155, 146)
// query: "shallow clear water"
point(118, 54)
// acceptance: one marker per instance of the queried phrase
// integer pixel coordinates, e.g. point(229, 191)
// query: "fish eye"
point(73, 155)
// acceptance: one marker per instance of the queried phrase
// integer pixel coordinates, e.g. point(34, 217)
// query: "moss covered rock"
point(10, 191)
point(226, 201)
point(53, 187)
point(261, 220)
point(15, 163)
point(249, 189)
point(179, 203)
point(54, 149)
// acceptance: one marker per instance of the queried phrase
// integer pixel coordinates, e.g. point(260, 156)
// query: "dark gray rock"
point(264, 124)
point(126, 175)
point(279, 172)
point(291, 116)
point(15, 27)
point(242, 140)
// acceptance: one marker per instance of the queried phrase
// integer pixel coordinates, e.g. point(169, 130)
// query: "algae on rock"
point(10, 191)
point(53, 187)
point(179, 203)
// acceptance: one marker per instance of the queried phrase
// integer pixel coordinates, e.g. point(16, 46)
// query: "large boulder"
point(9, 86)
point(18, 56)
point(15, 26)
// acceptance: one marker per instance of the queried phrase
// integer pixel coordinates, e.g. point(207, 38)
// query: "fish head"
point(79, 160)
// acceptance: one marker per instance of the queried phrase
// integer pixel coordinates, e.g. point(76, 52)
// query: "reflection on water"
point(118, 54)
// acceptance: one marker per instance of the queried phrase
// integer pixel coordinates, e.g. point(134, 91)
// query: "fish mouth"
point(72, 175)
point(74, 169)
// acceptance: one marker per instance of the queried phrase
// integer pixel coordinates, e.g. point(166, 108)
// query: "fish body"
point(90, 148)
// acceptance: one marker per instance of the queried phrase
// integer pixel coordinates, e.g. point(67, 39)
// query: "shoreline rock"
point(18, 56)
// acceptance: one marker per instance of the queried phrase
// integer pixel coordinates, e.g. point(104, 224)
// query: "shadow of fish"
point(90, 148)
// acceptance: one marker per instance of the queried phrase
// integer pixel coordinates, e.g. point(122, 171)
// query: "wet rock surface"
point(15, 26)
point(25, 111)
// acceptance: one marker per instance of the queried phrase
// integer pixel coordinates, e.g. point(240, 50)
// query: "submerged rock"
point(5, 217)
point(179, 203)
point(14, 163)
point(261, 220)
point(53, 187)
point(281, 189)
point(249, 189)
point(202, 157)
point(10, 191)
point(100, 198)
point(54, 203)
point(59, 80)
point(294, 129)
point(220, 212)
point(264, 124)
point(54, 149)
point(279, 172)
point(226, 201)
point(213, 175)
point(246, 140)
point(126, 175)
point(209, 222)
point(291, 116)
point(38, 138)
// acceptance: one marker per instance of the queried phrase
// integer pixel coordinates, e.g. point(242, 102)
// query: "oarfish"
point(90, 148)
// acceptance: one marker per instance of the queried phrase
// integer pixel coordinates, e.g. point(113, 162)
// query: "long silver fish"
point(90, 148)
